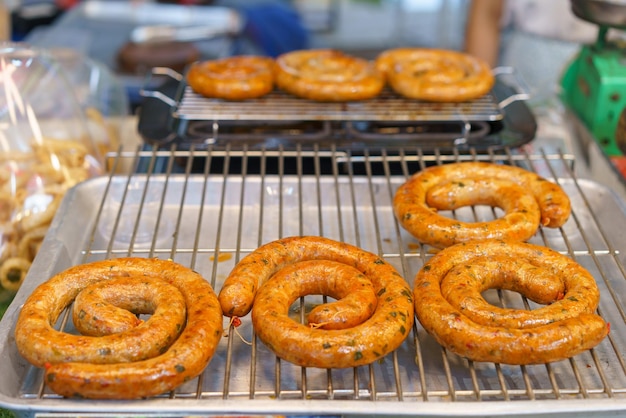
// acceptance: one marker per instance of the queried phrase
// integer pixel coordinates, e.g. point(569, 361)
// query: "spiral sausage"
point(272, 277)
point(327, 75)
point(111, 306)
point(232, 78)
point(527, 199)
point(435, 74)
point(129, 364)
point(449, 305)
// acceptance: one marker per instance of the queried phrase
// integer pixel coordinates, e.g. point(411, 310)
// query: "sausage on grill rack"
point(448, 303)
point(437, 75)
point(132, 363)
point(232, 78)
point(527, 199)
point(327, 75)
point(271, 278)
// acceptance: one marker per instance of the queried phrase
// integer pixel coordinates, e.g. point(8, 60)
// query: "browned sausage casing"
point(276, 274)
point(466, 325)
point(129, 364)
point(435, 74)
point(526, 198)
point(232, 78)
point(327, 75)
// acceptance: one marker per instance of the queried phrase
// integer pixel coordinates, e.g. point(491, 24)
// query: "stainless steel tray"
point(209, 221)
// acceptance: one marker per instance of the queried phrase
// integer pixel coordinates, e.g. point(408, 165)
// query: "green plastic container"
point(594, 87)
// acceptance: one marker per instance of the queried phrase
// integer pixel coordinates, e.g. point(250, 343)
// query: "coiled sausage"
point(129, 364)
point(271, 278)
point(327, 75)
point(437, 75)
point(232, 78)
point(527, 199)
point(449, 305)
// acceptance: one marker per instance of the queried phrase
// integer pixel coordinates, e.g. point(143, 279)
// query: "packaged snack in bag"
point(45, 149)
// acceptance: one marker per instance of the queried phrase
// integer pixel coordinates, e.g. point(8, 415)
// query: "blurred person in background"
point(5, 22)
point(271, 27)
point(537, 38)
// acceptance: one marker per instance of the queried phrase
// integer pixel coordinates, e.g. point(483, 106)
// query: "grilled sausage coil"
point(435, 74)
point(271, 278)
point(232, 78)
point(129, 364)
point(448, 303)
point(527, 199)
point(327, 75)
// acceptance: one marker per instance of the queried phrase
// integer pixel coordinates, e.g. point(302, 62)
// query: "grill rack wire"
point(388, 106)
point(172, 112)
point(348, 201)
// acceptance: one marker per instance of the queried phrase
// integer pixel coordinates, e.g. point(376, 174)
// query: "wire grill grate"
point(173, 113)
point(209, 220)
point(387, 107)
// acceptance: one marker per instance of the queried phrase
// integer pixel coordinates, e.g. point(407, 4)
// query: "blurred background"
point(102, 29)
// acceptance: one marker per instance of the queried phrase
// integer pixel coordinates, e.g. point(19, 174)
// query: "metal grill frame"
point(421, 378)
point(279, 105)
point(173, 113)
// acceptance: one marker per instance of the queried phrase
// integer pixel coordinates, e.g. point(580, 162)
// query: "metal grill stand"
point(208, 221)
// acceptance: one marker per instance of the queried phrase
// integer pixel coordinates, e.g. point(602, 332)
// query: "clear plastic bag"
point(45, 149)
point(100, 94)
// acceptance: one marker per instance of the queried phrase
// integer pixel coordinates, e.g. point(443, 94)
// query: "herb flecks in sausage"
point(327, 75)
point(232, 78)
point(373, 301)
point(435, 74)
point(527, 200)
point(125, 364)
point(449, 306)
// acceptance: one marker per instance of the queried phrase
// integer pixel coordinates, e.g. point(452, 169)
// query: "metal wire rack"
point(173, 113)
point(387, 107)
point(207, 209)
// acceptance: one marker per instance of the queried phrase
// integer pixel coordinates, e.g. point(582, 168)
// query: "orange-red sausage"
point(272, 277)
point(327, 75)
point(111, 306)
point(96, 371)
point(232, 78)
point(435, 74)
point(460, 320)
point(527, 199)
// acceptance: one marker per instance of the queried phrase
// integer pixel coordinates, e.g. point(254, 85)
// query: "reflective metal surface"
point(210, 218)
